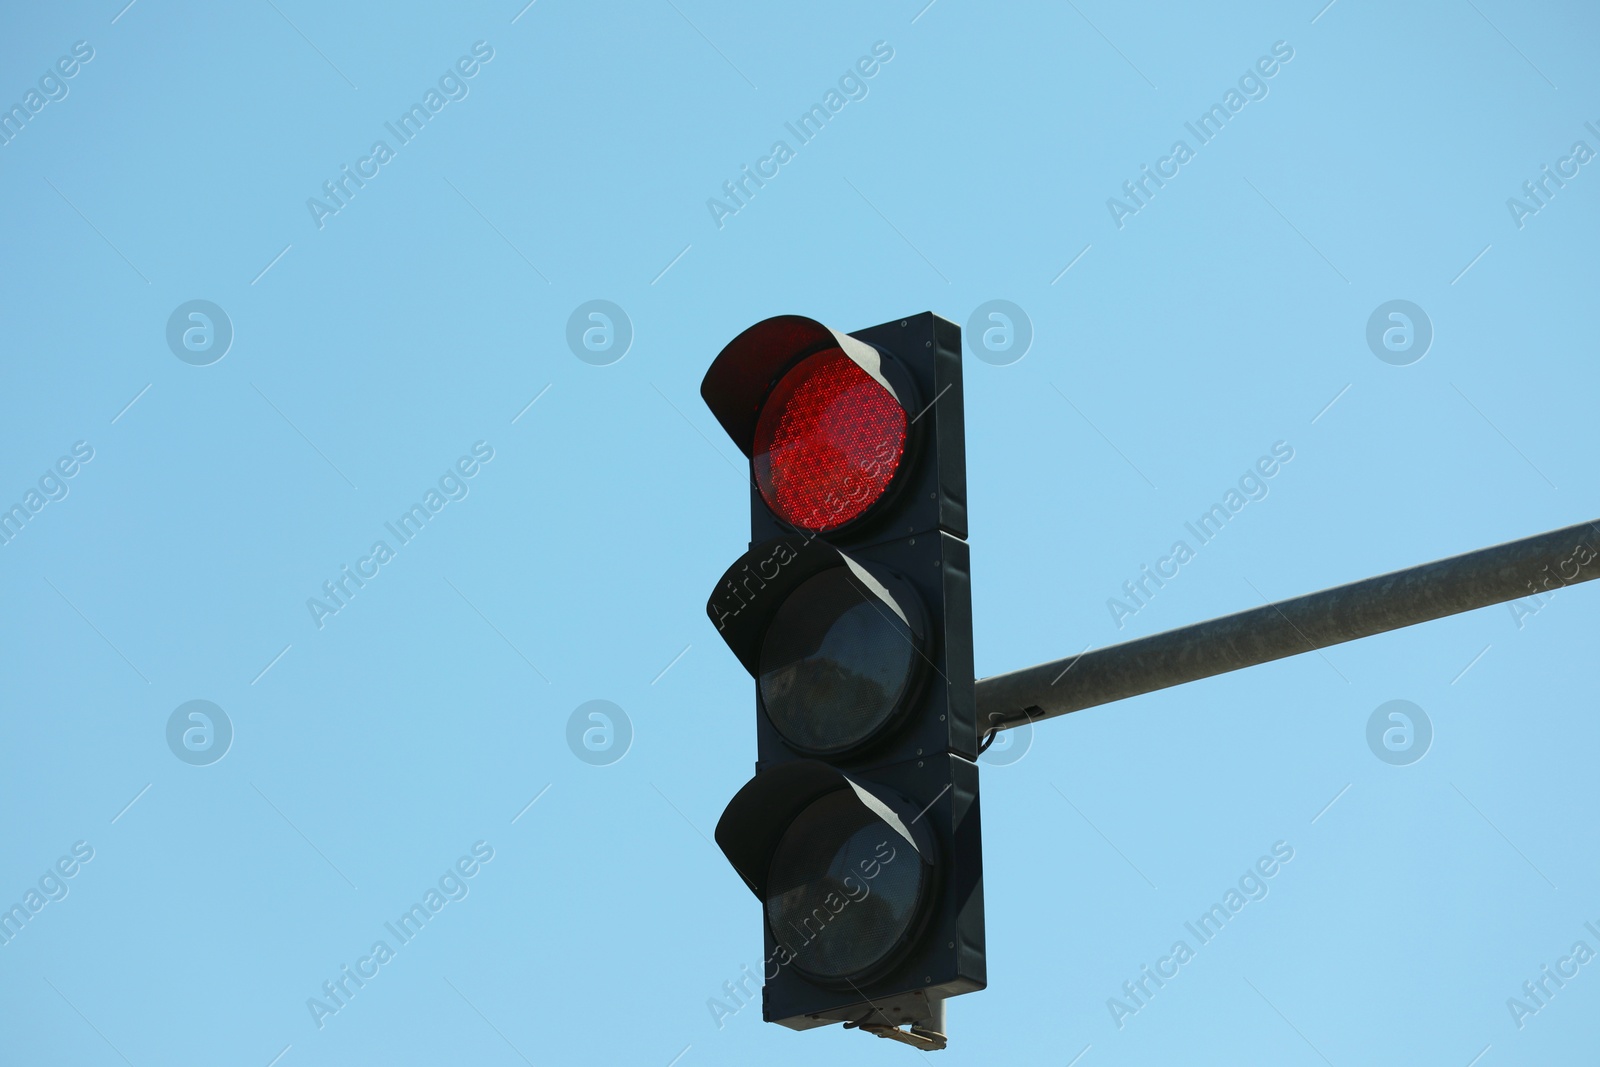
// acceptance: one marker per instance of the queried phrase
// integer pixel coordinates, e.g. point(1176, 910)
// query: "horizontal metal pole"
point(1538, 564)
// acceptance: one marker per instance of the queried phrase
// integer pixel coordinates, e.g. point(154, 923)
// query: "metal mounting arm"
point(1537, 564)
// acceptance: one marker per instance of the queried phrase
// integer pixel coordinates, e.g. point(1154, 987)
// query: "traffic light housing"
point(852, 610)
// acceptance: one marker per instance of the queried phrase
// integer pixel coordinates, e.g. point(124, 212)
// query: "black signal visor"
point(753, 825)
point(751, 592)
point(742, 376)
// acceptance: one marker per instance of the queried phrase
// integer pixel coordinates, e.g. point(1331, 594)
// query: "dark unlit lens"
point(835, 664)
point(843, 889)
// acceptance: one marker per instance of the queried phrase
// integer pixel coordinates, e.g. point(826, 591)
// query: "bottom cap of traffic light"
point(872, 890)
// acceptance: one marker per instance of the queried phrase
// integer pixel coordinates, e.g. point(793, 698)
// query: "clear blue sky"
point(571, 158)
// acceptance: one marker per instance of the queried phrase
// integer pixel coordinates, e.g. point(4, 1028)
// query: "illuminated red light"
point(827, 442)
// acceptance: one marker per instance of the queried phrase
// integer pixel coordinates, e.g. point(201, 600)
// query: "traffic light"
point(852, 610)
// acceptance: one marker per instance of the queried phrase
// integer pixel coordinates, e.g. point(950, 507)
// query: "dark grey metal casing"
point(913, 541)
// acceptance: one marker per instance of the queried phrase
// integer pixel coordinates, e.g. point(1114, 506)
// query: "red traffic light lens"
point(828, 442)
